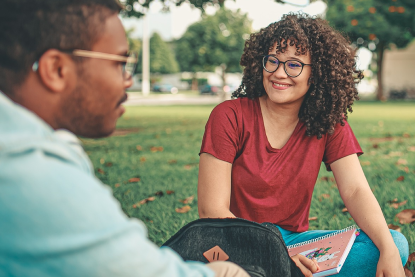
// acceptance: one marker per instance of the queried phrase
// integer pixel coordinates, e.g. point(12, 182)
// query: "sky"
point(173, 24)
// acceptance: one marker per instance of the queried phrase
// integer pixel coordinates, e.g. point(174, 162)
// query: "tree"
point(376, 24)
point(162, 58)
point(214, 41)
point(136, 8)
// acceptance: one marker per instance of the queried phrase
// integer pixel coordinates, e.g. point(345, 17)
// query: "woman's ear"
point(56, 69)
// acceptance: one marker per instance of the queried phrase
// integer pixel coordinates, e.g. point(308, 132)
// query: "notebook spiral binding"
point(323, 237)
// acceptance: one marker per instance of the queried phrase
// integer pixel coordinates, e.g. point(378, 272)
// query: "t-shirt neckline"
point(264, 133)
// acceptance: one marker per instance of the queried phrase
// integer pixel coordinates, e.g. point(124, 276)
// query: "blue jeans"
point(364, 255)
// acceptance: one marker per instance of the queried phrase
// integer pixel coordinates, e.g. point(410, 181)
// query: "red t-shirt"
point(268, 184)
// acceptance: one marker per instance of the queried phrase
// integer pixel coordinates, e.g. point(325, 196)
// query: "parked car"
point(209, 89)
point(165, 88)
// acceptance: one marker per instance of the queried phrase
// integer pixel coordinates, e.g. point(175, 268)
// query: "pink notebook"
point(330, 251)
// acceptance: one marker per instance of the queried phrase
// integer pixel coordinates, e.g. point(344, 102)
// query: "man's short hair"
point(28, 28)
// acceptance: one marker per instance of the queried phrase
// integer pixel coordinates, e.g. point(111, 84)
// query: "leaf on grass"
point(402, 161)
point(144, 201)
point(155, 149)
point(134, 206)
point(406, 216)
point(143, 159)
point(116, 185)
point(134, 180)
point(173, 162)
point(411, 148)
point(376, 146)
point(101, 171)
point(312, 218)
point(408, 273)
point(395, 154)
point(363, 163)
point(400, 178)
point(394, 227)
point(101, 161)
point(169, 192)
point(324, 195)
point(406, 135)
point(108, 164)
point(411, 258)
point(345, 210)
point(139, 147)
point(397, 205)
point(159, 193)
point(188, 200)
point(188, 167)
point(324, 178)
point(183, 209)
point(406, 169)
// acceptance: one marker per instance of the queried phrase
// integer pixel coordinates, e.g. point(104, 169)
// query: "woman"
point(262, 151)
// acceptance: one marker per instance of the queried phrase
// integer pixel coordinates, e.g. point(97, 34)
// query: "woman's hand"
point(307, 266)
point(390, 265)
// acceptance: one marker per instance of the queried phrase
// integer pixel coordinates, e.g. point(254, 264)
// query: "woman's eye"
point(294, 65)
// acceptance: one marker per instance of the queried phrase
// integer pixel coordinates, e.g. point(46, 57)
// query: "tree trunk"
point(223, 75)
point(195, 85)
point(380, 52)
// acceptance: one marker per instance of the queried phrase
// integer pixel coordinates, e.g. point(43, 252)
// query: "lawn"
point(151, 163)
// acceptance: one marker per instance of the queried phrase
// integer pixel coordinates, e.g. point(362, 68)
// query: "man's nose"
point(128, 82)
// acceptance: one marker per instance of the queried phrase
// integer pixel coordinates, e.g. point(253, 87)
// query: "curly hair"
point(30, 27)
point(333, 75)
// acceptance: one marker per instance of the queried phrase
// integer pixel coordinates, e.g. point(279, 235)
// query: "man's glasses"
point(293, 68)
point(128, 63)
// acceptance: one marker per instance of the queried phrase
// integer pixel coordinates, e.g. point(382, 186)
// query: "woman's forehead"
point(288, 49)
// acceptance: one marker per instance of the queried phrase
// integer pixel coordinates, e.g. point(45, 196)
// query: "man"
point(64, 70)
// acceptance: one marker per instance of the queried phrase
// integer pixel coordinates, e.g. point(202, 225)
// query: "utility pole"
point(145, 84)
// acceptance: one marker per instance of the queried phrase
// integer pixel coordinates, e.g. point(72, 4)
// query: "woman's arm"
point(365, 210)
point(214, 187)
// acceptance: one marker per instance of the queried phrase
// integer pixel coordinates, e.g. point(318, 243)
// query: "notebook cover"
point(330, 251)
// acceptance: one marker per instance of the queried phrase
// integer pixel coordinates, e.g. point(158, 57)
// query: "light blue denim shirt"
point(58, 219)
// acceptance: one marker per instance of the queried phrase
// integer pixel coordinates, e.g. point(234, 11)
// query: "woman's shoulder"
point(238, 105)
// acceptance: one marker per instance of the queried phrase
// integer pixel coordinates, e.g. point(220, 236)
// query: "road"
point(137, 99)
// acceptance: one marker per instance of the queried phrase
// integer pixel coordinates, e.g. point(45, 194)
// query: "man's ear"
point(56, 69)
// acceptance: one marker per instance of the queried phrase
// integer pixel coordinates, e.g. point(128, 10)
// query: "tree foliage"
point(136, 8)
point(214, 41)
point(162, 58)
point(374, 23)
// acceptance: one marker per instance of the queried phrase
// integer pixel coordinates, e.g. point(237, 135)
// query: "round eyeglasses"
point(293, 68)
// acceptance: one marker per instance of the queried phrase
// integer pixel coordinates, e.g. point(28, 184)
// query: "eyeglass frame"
point(99, 55)
point(280, 62)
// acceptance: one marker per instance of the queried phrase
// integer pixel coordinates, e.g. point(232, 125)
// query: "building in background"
point(399, 70)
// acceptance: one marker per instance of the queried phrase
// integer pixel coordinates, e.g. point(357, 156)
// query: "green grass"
point(386, 132)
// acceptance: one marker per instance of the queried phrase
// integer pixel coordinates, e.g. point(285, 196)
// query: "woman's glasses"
point(293, 68)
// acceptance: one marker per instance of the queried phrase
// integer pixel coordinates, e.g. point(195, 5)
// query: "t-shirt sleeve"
point(340, 144)
point(221, 132)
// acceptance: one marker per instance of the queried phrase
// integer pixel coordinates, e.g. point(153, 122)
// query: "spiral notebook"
point(330, 251)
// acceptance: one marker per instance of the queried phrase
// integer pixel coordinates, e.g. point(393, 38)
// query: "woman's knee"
point(402, 244)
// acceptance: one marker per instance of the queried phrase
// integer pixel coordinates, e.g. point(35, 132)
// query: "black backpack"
point(258, 248)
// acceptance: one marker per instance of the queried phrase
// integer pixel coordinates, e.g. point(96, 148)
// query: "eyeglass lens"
point(129, 66)
point(292, 68)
